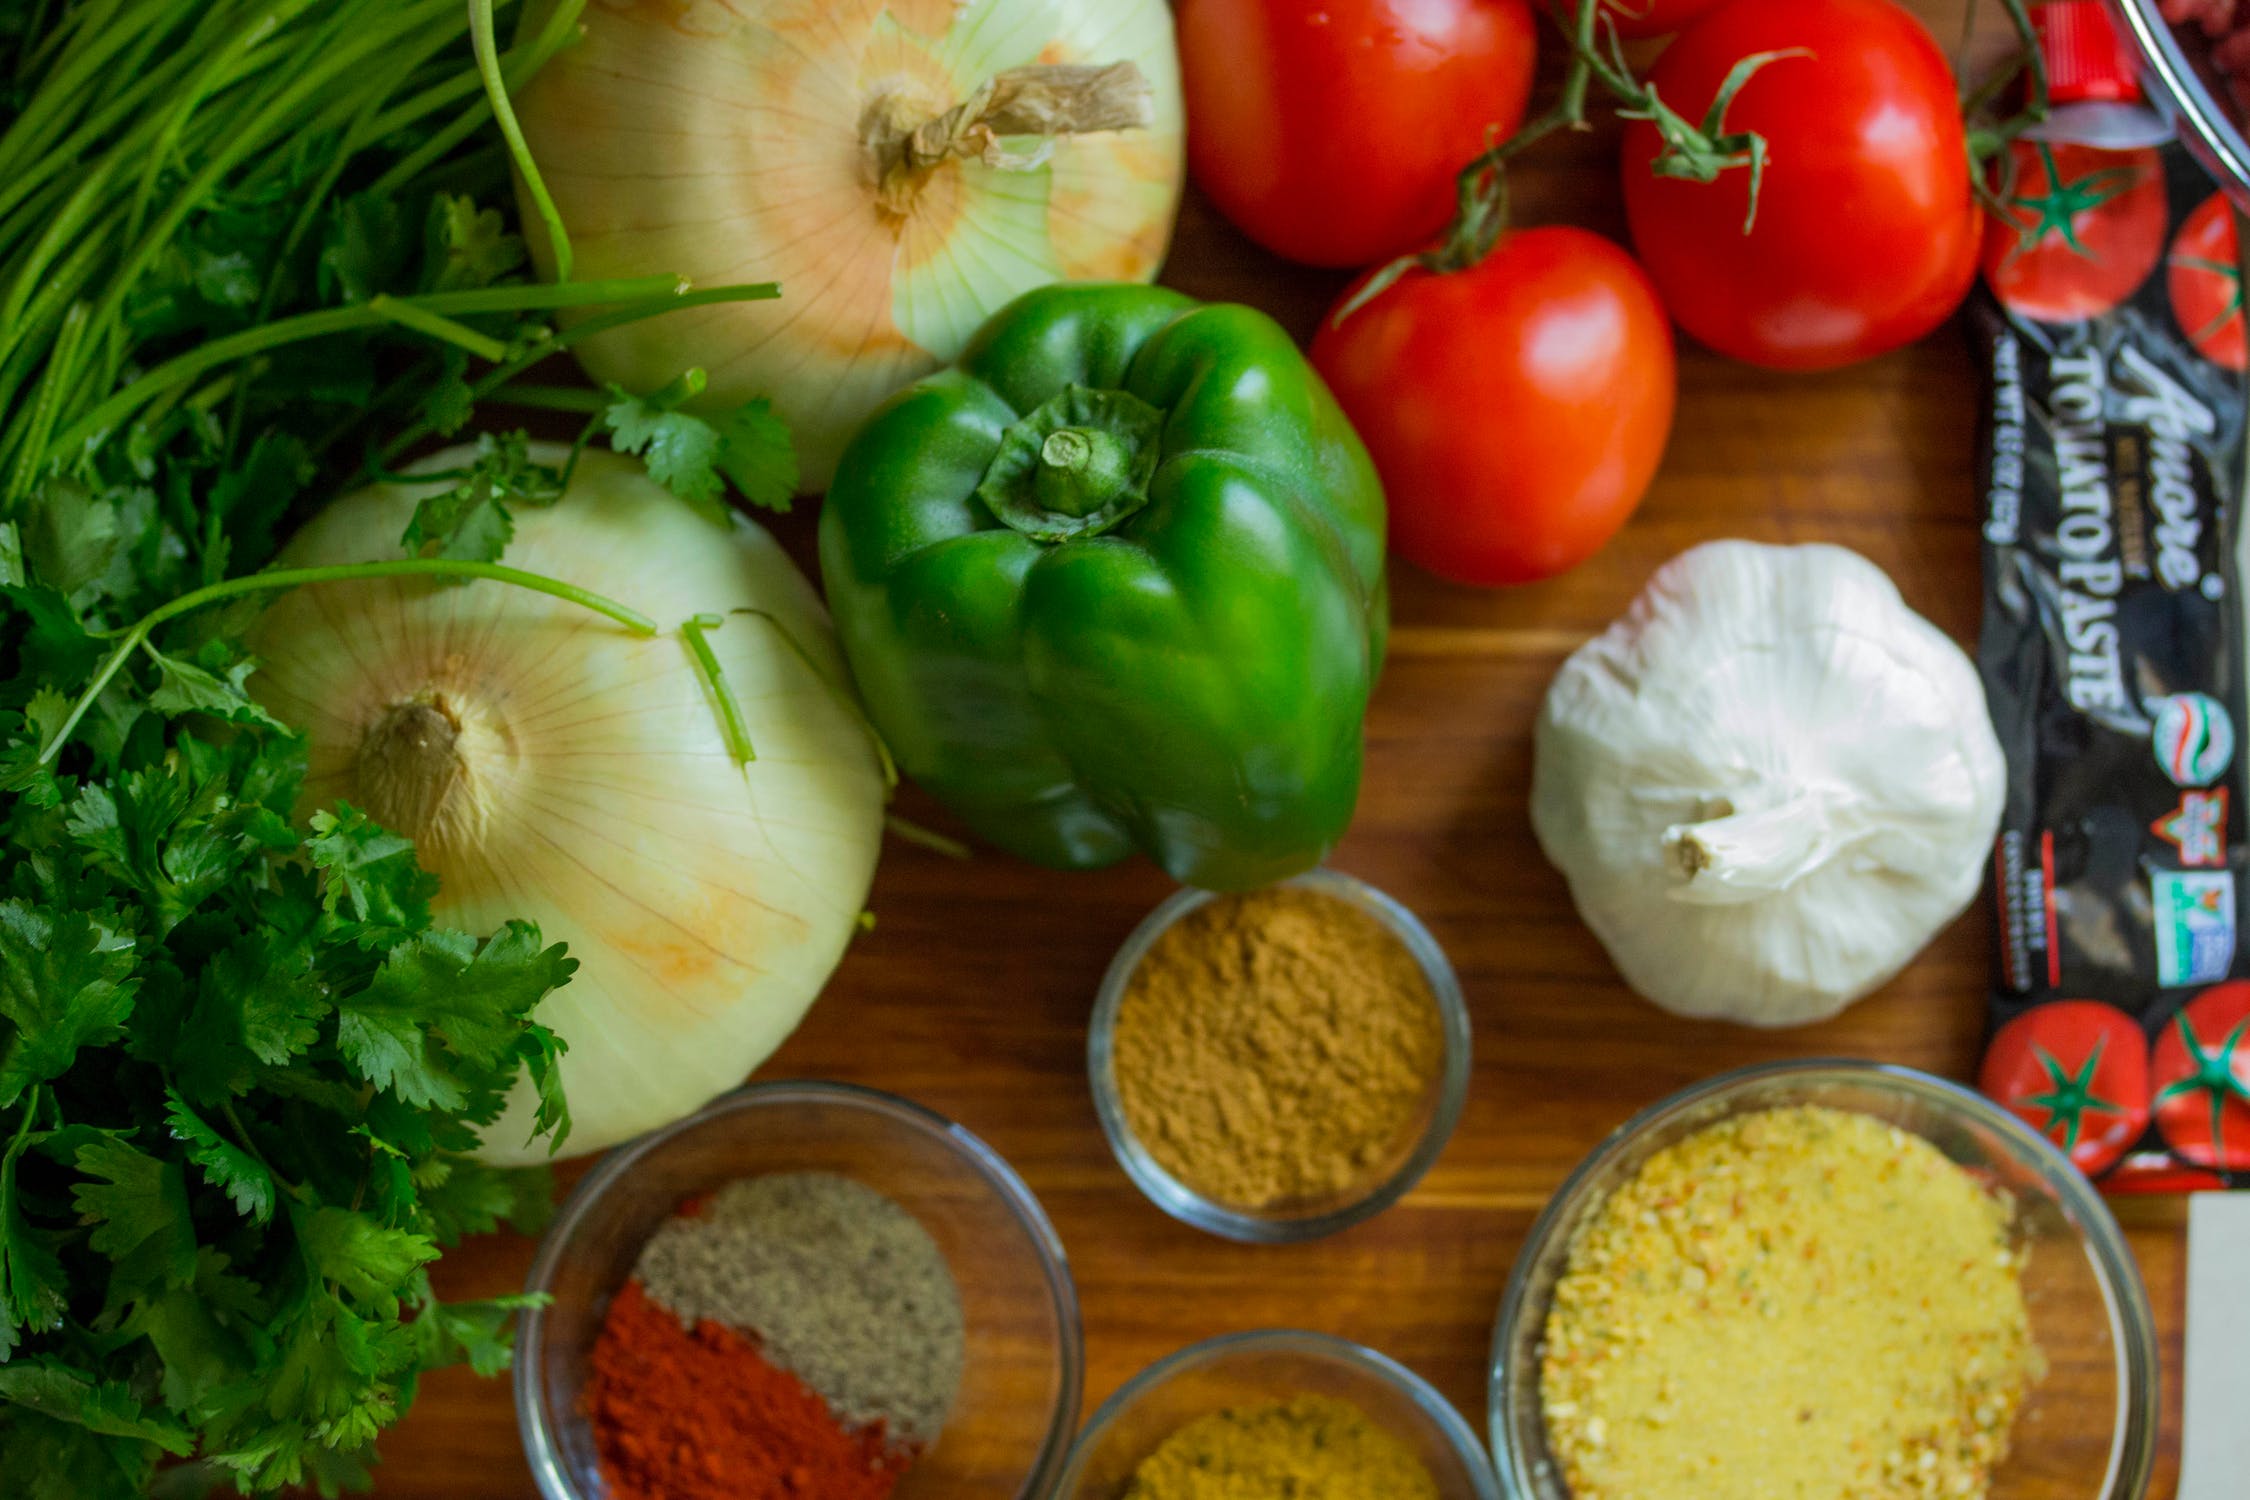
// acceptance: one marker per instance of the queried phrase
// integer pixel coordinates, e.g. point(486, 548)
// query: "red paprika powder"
point(698, 1414)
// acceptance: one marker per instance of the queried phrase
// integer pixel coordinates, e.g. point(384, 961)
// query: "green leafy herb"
point(249, 254)
point(695, 457)
point(243, 247)
point(471, 520)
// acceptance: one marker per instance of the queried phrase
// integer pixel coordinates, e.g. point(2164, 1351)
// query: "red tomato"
point(2084, 228)
point(2203, 1079)
point(1516, 410)
point(2204, 277)
point(1867, 233)
point(1332, 131)
point(2076, 1071)
point(1644, 18)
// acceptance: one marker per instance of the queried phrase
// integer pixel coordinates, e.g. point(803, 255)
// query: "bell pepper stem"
point(1081, 469)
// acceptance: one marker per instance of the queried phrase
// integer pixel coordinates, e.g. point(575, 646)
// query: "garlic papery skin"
point(552, 765)
point(1769, 785)
point(774, 140)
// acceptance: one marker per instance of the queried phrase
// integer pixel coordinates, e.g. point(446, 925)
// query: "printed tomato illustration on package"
point(2110, 323)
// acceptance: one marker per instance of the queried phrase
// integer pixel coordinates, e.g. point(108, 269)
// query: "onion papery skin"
point(706, 902)
point(724, 142)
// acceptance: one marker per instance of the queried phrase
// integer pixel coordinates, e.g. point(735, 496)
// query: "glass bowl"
point(1381, 1186)
point(2180, 83)
point(1011, 1423)
point(2086, 1432)
point(1248, 1367)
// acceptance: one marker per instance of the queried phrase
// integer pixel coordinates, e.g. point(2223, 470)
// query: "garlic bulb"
point(553, 766)
point(902, 167)
point(1769, 785)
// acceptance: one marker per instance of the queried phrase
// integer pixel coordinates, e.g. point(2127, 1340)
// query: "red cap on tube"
point(2087, 60)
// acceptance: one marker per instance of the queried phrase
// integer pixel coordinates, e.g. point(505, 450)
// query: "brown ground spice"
point(1305, 1448)
point(1275, 1047)
point(1797, 1304)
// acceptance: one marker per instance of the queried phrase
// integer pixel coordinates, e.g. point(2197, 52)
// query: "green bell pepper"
point(1115, 582)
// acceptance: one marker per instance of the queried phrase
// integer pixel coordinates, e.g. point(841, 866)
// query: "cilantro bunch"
point(250, 252)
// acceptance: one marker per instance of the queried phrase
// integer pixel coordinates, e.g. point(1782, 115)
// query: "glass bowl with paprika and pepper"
point(1281, 1064)
point(1277, 1412)
point(1846, 1277)
point(805, 1289)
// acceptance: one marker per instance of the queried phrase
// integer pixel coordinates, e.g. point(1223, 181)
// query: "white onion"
point(744, 140)
point(551, 765)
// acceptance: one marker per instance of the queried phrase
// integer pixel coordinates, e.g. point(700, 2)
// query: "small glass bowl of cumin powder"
point(1277, 1412)
point(1277, 1066)
point(1842, 1242)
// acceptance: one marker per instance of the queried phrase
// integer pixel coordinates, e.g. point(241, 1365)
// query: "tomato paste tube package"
point(2113, 458)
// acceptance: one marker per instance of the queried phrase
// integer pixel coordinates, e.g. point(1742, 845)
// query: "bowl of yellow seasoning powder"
point(1277, 1415)
point(1279, 1065)
point(1825, 1280)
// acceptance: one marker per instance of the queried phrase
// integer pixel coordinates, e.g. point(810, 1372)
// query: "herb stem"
point(264, 124)
point(61, 366)
point(30, 1114)
point(518, 67)
point(696, 632)
point(571, 398)
point(504, 113)
point(107, 414)
point(438, 326)
point(927, 838)
point(242, 1139)
point(631, 312)
point(289, 578)
point(843, 695)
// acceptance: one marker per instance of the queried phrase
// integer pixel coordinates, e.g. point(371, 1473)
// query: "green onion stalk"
point(209, 216)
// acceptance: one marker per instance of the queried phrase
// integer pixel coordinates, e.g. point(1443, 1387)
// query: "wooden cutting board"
point(972, 992)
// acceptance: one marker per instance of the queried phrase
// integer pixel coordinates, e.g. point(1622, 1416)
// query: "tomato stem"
point(1692, 151)
point(1989, 142)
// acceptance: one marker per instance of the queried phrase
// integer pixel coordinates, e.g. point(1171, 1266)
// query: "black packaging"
point(2112, 455)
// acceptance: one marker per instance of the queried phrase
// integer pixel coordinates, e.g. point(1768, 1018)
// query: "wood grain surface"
point(971, 994)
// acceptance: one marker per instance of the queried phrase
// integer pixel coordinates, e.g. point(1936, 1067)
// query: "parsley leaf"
point(33, 1292)
point(466, 246)
point(187, 686)
point(109, 1407)
point(246, 1180)
point(680, 449)
point(439, 998)
point(366, 247)
point(757, 455)
point(139, 1206)
point(65, 983)
point(371, 872)
point(328, 1375)
point(692, 456)
point(471, 521)
point(450, 402)
point(69, 536)
point(471, 1333)
point(248, 501)
point(370, 1261)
